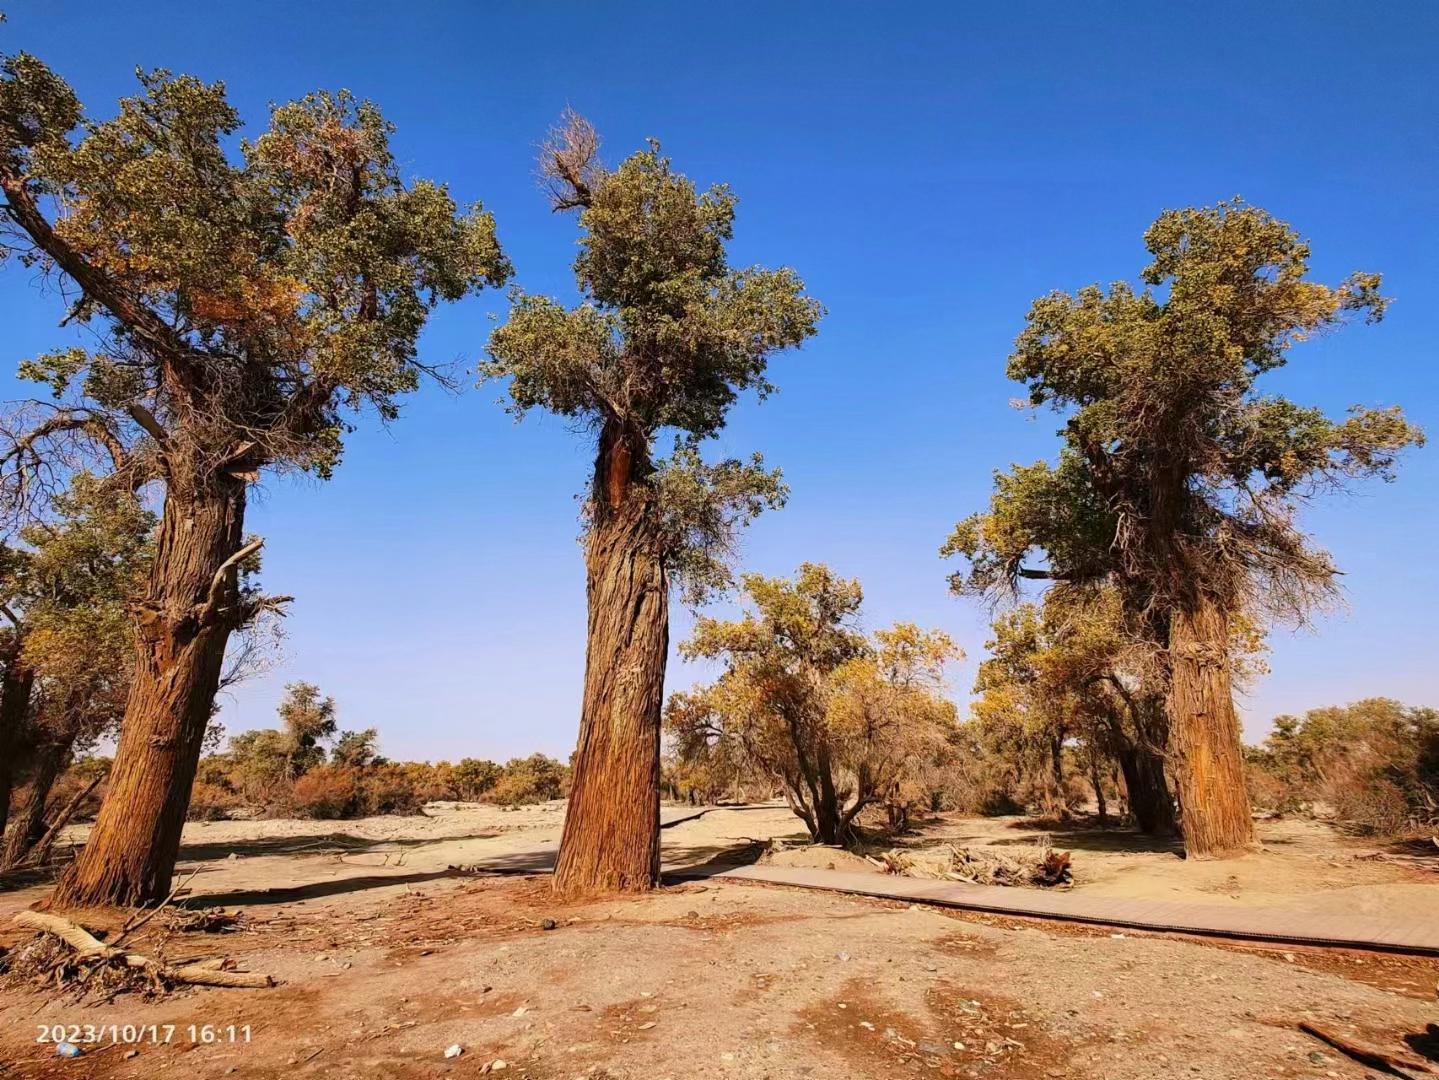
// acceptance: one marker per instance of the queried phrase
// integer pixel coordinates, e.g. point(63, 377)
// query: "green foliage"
point(245, 299)
point(259, 764)
point(473, 778)
point(840, 720)
point(67, 586)
point(1175, 476)
point(534, 779)
point(356, 749)
point(307, 720)
point(667, 336)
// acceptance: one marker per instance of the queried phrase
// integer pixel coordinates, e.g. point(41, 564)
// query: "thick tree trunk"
point(182, 626)
point(15, 690)
point(29, 823)
point(611, 838)
point(1205, 749)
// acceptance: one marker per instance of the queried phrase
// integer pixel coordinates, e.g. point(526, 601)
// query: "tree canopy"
point(1175, 474)
point(666, 336)
point(242, 303)
point(840, 719)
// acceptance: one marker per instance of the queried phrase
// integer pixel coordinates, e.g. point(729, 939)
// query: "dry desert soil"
point(395, 939)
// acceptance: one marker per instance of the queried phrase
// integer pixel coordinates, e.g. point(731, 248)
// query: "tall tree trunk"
point(1205, 749)
point(29, 823)
point(611, 837)
point(182, 626)
point(15, 690)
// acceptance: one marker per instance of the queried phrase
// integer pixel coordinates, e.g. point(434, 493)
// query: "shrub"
point(534, 779)
point(392, 788)
point(473, 778)
point(1374, 762)
point(212, 802)
point(327, 792)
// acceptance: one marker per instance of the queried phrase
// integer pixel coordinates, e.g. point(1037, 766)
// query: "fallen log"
point(89, 947)
point(1368, 1055)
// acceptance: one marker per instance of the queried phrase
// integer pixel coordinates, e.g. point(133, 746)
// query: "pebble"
point(548, 924)
point(454, 1051)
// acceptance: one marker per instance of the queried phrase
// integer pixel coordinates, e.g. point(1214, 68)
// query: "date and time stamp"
point(89, 1035)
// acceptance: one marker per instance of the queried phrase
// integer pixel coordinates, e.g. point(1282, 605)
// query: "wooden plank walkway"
point(1255, 924)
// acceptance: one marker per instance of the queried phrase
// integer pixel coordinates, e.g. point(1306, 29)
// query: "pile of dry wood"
point(67, 956)
point(1037, 866)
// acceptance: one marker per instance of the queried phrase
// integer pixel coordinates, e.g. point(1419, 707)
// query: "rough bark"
point(1205, 750)
point(610, 841)
point(15, 690)
point(182, 626)
point(28, 825)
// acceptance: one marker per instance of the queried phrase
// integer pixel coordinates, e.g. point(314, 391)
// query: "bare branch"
point(569, 162)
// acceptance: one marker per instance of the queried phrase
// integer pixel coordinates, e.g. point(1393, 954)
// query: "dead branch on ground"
point(90, 955)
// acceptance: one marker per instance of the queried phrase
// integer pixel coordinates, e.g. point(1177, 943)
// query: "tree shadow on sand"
point(319, 843)
point(1079, 834)
point(1425, 1043)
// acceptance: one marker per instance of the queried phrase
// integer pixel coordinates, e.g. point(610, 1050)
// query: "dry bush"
point(326, 792)
point(1376, 807)
point(212, 802)
point(534, 779)
point(1375, 763)
point(392, 788)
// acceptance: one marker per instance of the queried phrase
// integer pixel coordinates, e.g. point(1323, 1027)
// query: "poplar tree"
point(1179, 480)
point(666, 336)
point(242, 304)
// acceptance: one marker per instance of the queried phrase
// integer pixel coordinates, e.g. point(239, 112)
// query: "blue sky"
point(928, 169)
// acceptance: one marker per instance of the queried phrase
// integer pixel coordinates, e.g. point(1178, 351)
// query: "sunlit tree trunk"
point(14, 704)
point(182, 626)
point(610, 841)
point(29, 823)
point(1205, 749)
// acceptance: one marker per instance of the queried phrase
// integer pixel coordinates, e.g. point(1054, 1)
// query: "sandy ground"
point(387, 957)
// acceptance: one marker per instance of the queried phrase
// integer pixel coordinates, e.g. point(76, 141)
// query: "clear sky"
point(928, 168)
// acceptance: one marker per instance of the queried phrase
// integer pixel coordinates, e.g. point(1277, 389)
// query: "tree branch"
point(145, 324)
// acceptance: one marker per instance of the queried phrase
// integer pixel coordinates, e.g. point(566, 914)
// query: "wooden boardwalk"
point(1255, 924)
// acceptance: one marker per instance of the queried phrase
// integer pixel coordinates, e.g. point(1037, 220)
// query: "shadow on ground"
point(315, 844)
point(1426, 1043)
point(680, 862)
